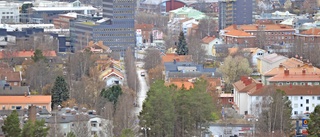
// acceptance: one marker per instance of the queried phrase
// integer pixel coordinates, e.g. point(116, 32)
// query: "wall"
point(9, 106)
point(110, 81)
point(172, 5)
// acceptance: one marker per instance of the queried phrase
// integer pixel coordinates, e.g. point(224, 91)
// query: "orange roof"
point(181, 82)
point(254, 27)
point(233, 50)
point(169, 57)
point(292, 63)
point(110, 73)
point(214, 81)
point(296, 70)
point(208, 39)
point(312, 31)
point(238, 33)
point(32, 99)
point(295, 77)
point(28, 54)
point(144, 27)
point(246, 84)
point(10, 76)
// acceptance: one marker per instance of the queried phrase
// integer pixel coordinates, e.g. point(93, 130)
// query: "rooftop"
point(26, 54)
point(295, 77)
point(31, 99)
point(290, 90)
point(144, 27)
point(170, 57)
point(208, 39)
point(271, 58)
point(14, 90)
point(312, 31)
point(190, 12)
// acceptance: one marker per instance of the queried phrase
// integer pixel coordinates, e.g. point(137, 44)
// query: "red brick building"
point(310, 36)
point(248, 34)
point(63, 20)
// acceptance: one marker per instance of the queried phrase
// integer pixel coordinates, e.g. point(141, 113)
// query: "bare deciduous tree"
point(151, 59)
point(132, 77)
point(208, 27)
point(196, 50)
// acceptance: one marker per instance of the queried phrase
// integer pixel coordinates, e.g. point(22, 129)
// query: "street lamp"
point(145, 128)
point(254, 120)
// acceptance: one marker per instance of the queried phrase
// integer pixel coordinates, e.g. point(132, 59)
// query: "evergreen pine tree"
point(59, 92)
point(11, 126)
point(37, 55)
point(182, 48)
point(314, 123)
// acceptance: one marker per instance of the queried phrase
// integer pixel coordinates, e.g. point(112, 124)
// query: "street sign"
point(304, 123)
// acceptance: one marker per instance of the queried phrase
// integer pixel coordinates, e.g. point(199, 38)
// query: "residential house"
point(226, 99)
point(7, 90)
point(293, 64)
point(23, 101)
point(209, 43)
point(145, 32)
point(248, 34)
point(187, 70)
point(171, 57)
point(181, 83)
point(98, 47)
point(186, 25)
point(296, 78)
point(70, 119)
point(25, 54)
point(11, 78)
point(245, 85)
point(269, 61)
point(112, 77)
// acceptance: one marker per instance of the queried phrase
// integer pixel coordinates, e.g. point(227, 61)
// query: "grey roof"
point(13, 90)
point(192, 74)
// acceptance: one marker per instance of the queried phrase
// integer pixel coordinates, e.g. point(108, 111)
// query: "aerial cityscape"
point(160, 68)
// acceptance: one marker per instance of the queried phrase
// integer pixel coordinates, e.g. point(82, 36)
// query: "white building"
point(209, 43)
point(269, 61)
point(9, 12)
point(188, 24)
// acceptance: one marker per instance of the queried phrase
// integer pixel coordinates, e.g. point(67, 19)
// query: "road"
point(142, 93)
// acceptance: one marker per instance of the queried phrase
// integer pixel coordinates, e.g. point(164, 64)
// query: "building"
point(303, 98)
point(276, 17)
point(112, 77)
point(250, 34)
point(70, 119)
point(11, 78)
point(209, 43)
point(23, 101)
point(269, 61)
point(171, 57)
point(46, 11)
point(115, 29)
point(63, 20)
point(310, 36)
point(237, 12)
point(98, 47)
point(145, 32)
point(9, 12)
point(301, 78)
point(25, 54)
point(293, 64)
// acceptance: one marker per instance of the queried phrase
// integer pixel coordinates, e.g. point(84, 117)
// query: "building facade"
point(235, 12)
point(9, 12)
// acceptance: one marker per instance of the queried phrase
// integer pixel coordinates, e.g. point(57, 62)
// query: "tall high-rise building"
point(116, 29)
point(237, 12)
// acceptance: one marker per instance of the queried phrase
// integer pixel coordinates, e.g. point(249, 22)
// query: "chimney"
point(303, 71)
point(94, 112)
point(280, 65)
point(84, 109)
point(59, 107)
point(63, 116)
point(5, 78)
point(25, 94)
point(73, 111)
point(297, 56)
point(310, 65)
point(32, 113)
point(286, 72)
point(68, 110)
point(258, 86)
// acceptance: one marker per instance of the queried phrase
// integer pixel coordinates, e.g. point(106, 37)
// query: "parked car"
point(143, 74)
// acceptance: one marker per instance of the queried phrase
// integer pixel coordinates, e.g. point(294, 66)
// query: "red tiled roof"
point(208, 39)
point(238, 33)
point(27, 54)
point(312, 31)
point(290, 90)
point(169, 57)
point(247, 84)
point(11, 76)
point(113, 72)
point(144, 27)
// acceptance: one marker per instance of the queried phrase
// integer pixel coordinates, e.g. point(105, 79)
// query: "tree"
point(309, 6)
point(288, 5)
point(261, 37)
point(314, 122)
point(59, 91)
point(208, 27)
point(233, 68)
point(127, 133)
point(35, 129)
point(159, 104)
point(112, 93)
point(276, 113)
point(71, 134)
point(37, 56)
point(196, 50)
point(151, 59)
point(130, 66)
point(182, 48)
point(11, 126)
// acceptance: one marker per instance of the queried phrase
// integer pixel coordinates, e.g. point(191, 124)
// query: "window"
point(301, 105)
point(44, 107)
point(316, 83)
point(257, 98)
point(313, 97)
point(295, 105)
point(296, 112)
point(301, 97)
point(295, 98)
point(318, 98)
point(3, 107)
point(307, 101)
point(309, 83)
point(307, 108)
point(313, 105)
point(230, 100)
point(100, 125)
point(93, 125)
point(18, 107)
point(13, 107)
point(302, 83)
